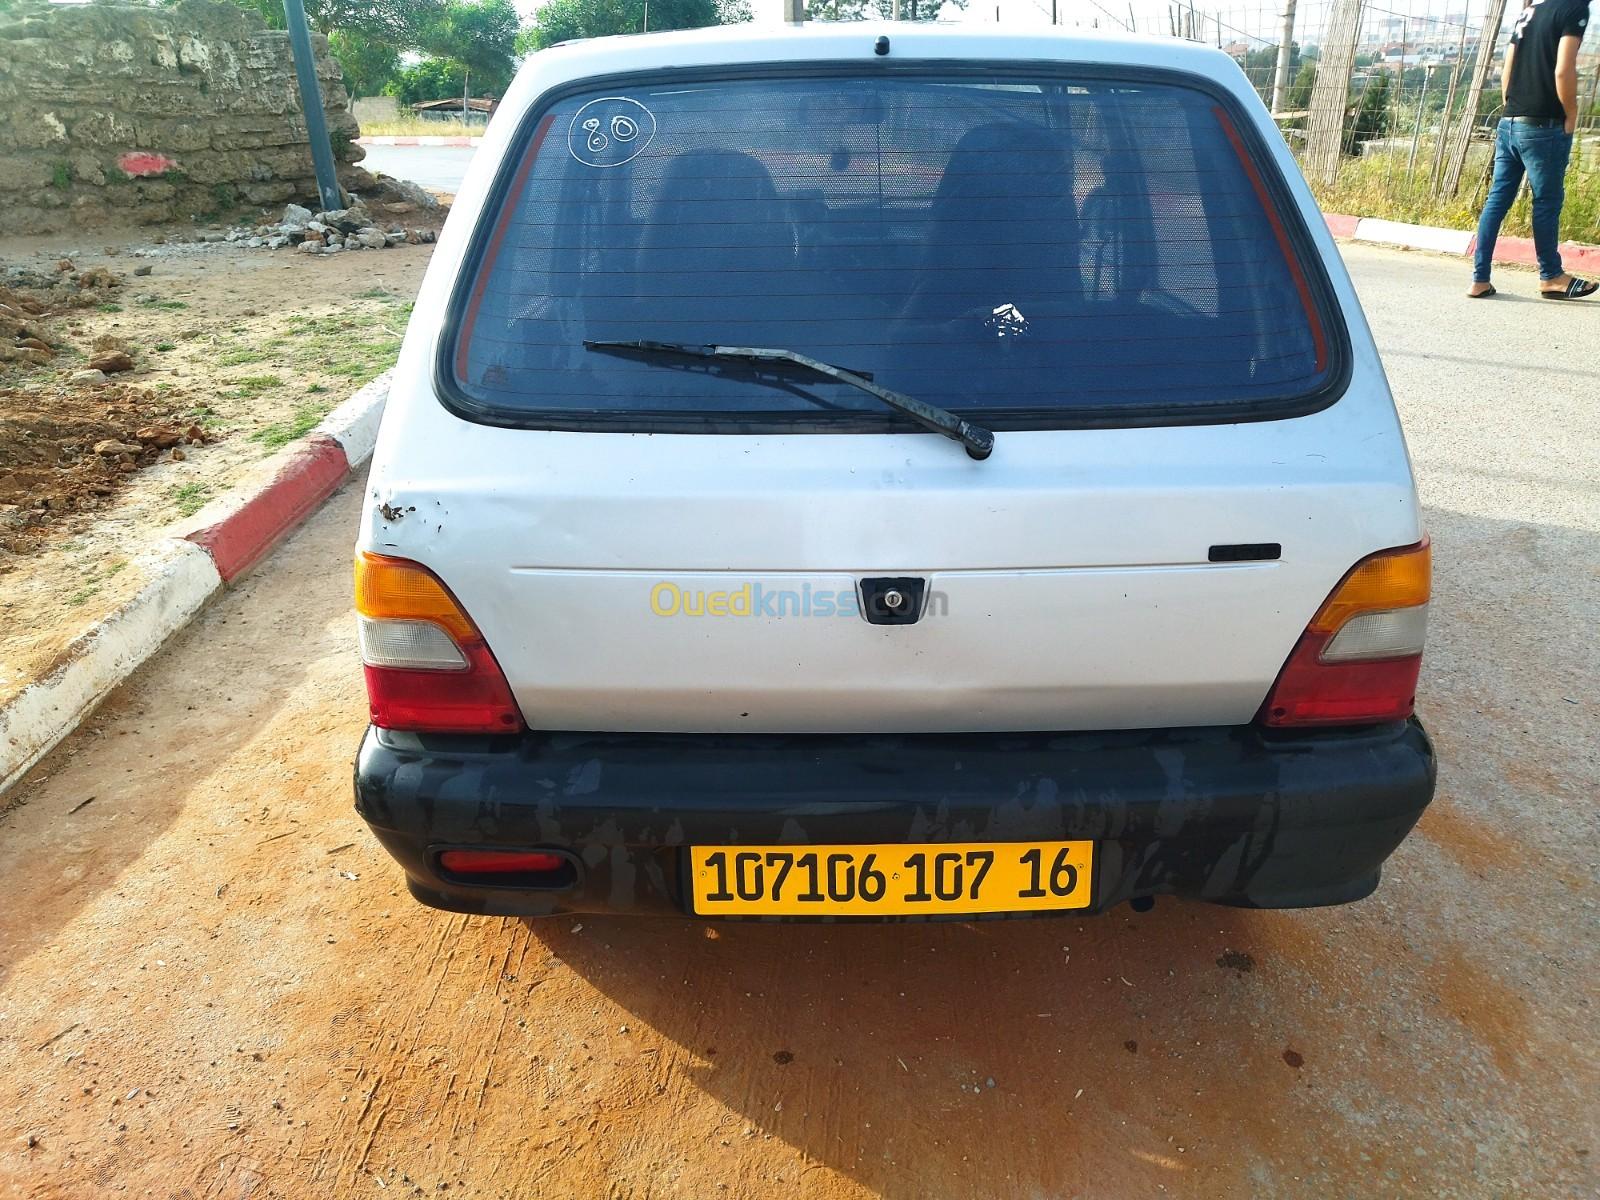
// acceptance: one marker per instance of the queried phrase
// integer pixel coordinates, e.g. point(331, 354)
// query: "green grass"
point(281, 433)
point(239, 357)
point(190, 498)
point(61, 176)
point(163, 347)
point(248, 386)
point(109, 308)
point(168, 305)
point(82, 594)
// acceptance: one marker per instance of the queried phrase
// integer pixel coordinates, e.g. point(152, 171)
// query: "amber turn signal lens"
point(1393, 579)
point(389, 589)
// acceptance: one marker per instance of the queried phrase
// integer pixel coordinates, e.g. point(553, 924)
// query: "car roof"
point(750, 43)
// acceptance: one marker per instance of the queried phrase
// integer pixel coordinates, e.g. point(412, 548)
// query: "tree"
point(568, 20)
point(1372, 112)
point(480, 36)
point(368, 65)
point(861, 10)
point(1305, 82)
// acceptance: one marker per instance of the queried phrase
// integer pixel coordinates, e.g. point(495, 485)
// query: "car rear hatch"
point(1112, 275)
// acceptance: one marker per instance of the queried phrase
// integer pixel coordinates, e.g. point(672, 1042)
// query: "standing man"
point(1534, 138)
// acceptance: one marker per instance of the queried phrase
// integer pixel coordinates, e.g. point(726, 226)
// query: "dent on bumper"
point(1232, 815)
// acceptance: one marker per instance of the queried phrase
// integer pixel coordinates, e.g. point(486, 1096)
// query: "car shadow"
point(992, 1058)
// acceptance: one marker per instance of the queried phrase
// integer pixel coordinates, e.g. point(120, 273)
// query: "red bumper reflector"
point(500, 862)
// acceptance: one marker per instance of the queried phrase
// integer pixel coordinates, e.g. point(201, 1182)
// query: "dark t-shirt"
point(1538, 31)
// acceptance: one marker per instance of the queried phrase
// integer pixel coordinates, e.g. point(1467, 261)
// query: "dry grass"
point(415, 126)
point(1378, 186)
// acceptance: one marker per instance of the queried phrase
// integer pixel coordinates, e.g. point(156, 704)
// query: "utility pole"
point(1280, 77)
point(646, 17)
point(794, 11)
point(305, 70)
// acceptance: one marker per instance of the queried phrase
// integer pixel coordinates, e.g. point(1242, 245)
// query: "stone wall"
point(121, 114)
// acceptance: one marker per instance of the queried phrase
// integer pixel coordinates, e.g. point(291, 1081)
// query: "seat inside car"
point(1003, 225)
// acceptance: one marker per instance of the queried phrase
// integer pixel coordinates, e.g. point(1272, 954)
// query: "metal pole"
point(1280, 77)
point(1448, 112)
point(305, 69)
point(1416, 125)
point(646, 16)
point(794, 11)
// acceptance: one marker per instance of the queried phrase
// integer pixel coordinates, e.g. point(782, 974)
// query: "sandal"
point(1576, 289)
point(1483, 295)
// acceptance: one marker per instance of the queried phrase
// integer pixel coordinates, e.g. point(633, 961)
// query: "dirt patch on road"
point(232, 354)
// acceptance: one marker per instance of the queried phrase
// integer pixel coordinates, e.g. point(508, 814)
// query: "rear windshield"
point(1019, 248)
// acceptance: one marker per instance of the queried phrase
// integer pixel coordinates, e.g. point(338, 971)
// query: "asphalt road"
point(212, 983)
point(437, 167)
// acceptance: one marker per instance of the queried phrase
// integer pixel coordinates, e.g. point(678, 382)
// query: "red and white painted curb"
point(425, 139)
point(1585, 260)
point(185, 570)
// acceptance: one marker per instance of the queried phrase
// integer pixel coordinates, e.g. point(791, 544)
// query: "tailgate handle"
point(893, 599)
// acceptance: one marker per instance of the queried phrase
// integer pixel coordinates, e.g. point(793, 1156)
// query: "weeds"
point(281, 433)
point(249, 386)
point(190, 498)
point(413, 126)
point(1378, 185)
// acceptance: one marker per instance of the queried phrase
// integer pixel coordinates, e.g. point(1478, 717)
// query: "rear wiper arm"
point(979, 442)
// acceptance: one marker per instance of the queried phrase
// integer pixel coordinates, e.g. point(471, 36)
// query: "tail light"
point(428, 668)
point(1357, 662)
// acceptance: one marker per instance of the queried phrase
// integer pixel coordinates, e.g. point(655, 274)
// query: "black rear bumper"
point(1232, 815)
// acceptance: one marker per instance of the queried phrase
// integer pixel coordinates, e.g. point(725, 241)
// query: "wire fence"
point(1390, 107)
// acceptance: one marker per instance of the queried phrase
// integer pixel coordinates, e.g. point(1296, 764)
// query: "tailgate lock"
point(893, 600)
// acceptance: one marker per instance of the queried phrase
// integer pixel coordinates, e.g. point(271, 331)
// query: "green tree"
point(567, 20)
point(861, 10)
point(1372, 111)
point(1305, 82)
point(368, 65)
point(429, 79)
point(479, 36)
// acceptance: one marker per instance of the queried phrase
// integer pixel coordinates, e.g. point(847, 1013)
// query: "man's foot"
point(1480, 291)
point(1567, 287)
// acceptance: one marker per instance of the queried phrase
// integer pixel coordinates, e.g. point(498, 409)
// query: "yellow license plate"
point(890, 881)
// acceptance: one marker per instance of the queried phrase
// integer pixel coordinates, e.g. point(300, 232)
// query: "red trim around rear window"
point(470, 317)
point(1319, 338)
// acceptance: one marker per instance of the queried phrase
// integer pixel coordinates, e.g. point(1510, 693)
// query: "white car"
point(884, 471)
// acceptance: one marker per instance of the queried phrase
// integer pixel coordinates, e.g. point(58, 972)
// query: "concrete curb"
point(186, 568)
point(426, 139)
point(1461, 243)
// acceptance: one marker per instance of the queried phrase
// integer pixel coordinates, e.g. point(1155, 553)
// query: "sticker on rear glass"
point(610, 131)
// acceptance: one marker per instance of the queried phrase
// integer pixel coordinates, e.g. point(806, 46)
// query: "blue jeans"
point(1540, 152)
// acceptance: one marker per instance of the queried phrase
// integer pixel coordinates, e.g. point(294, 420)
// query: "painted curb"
point(186, 568)
point(1413, 237)
point(1518, 251)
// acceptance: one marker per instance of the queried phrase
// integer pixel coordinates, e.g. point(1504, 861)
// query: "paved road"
point(436, 167)
point(212, 983)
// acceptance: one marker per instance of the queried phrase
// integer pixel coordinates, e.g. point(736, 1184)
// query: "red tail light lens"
point(1358, 660)
point(428, 668)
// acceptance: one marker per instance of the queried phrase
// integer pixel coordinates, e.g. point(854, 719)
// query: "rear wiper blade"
point(979, 442)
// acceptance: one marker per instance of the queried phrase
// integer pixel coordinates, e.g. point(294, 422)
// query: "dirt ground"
point(212, 983)
point(235, 353)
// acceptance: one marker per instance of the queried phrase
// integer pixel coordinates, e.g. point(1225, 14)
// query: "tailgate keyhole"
point(893, 600)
